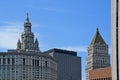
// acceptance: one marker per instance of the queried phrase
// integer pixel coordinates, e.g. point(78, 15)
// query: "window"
point(46, 63)
point(37, 62)
point(3, 61)
point(33, 62)
point(13, 61)
point(23, 61)
point(8, 61)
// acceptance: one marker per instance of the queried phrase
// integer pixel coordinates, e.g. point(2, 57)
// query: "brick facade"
point(100, 74)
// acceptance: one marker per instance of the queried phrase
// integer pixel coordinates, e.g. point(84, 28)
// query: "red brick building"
point(100, 74)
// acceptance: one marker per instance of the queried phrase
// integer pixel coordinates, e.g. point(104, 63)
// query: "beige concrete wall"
point(113, 29)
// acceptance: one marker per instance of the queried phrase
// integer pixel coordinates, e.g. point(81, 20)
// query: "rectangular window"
point(33, 62)
point(8, 61)
point(13, 61)
point(46, 63)
point(23, 61)
point(4, 61)
point(37, 62)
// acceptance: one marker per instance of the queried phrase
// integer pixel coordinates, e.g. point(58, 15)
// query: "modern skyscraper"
point(115, 39)
point(98, 56)
point(68, 64)
point(27, 62)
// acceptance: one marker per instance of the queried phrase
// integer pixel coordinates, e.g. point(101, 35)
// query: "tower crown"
point(27, 24)
point(97, 38)
point(27, 39)
point(27, 18)
point(98, 56)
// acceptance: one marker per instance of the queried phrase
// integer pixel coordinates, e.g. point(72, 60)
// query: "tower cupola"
point(27, 24)
point(27, 38)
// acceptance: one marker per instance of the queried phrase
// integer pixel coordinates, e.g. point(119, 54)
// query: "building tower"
point(98, 56)
point(28, 43)
point(27, 62)
point(115, 39)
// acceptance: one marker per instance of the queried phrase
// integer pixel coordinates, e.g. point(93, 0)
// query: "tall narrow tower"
point(115, 39)
point(98, 56)
point(27, 37)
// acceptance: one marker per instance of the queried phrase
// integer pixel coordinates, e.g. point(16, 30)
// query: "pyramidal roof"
point(97, 38)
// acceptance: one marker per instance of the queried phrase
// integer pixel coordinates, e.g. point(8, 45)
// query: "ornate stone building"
point(27, 62)
point(98, 56)
point(28, 43)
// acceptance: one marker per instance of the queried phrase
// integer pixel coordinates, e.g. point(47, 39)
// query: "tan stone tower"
point(115, 39)
point(98, 56)
point(28, 43)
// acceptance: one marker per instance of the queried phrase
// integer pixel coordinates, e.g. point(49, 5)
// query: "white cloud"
point(9, 34)
point(76, 48)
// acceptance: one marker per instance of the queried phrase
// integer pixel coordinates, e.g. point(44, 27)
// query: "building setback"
point(69, 65)
point(98, 56)
point(27, 62)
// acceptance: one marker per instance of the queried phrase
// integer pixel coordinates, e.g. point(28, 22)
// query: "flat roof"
point(27, 54)
point(73, 53)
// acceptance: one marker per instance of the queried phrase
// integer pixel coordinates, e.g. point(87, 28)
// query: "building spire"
point(36, 44)
point(27, 17)
point(98, 38)
point(18, 44)
point(27, 24)
point(36, 41)
point(97, 29)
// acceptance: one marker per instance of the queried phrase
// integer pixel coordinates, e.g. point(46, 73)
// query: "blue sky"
point(66, 24)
